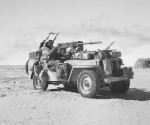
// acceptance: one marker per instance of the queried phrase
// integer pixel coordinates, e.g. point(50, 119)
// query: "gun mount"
point(51, 33)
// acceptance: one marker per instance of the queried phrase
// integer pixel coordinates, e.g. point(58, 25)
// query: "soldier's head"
point(49, 44)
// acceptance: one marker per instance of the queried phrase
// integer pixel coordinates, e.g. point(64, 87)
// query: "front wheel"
point(120, 87)
point(87, 84)
point(39, 84)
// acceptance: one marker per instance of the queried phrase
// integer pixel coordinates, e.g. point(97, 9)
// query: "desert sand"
point(20, 104)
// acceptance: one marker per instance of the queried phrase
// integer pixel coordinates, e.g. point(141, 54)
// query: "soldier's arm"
point(52, 51)
point(41, 45)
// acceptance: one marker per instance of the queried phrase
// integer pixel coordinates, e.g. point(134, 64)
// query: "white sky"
point(25, 23)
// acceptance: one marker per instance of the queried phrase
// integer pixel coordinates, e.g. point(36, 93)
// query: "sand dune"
point(21, 105)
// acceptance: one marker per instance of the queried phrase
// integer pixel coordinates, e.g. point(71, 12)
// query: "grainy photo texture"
point(74, 62)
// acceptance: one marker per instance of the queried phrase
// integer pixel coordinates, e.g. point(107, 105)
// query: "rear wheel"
point(120, 87)
point(39, 84)
point(87, 84)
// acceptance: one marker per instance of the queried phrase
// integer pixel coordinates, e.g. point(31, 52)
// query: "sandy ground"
point(20, 104)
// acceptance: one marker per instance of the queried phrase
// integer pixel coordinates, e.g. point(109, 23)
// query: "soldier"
point(51, 59)
point(49, 55)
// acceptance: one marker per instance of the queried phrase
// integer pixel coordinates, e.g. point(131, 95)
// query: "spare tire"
point(26, 66)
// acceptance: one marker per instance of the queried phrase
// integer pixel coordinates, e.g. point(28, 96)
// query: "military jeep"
point(89, 71)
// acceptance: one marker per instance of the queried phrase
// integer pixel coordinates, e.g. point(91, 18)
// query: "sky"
point(25, 23)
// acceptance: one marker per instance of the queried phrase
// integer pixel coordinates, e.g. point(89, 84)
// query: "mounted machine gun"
point(75, 46)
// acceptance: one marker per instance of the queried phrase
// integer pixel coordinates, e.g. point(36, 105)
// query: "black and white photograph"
point(74, 62)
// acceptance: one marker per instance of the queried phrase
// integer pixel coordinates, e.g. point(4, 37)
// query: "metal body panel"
point(92, 62)
point(51, 76)
point(80, 65)
point(75, 71)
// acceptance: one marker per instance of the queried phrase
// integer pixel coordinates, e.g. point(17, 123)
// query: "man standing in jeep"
point(51, 58)
point(49, 55)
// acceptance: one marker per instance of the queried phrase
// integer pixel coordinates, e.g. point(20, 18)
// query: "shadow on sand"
point(132, 94)
point(68, 89)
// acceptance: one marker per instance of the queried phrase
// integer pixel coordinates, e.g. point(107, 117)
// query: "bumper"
point(116, 79)
point(127, 75)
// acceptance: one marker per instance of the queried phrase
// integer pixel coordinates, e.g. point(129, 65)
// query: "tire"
point(120, 87)
point(38, 84)
point(26, 66)
point(87, 84)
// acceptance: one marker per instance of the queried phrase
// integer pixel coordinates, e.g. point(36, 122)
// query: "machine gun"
point(110, 45)
point(73, 48)
point(76, 44)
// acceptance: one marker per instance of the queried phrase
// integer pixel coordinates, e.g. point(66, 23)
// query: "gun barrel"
point(109, 45)
point(97, 42)
point(70, 44)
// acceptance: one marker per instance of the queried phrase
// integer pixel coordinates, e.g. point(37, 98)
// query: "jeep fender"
point(75, 71)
